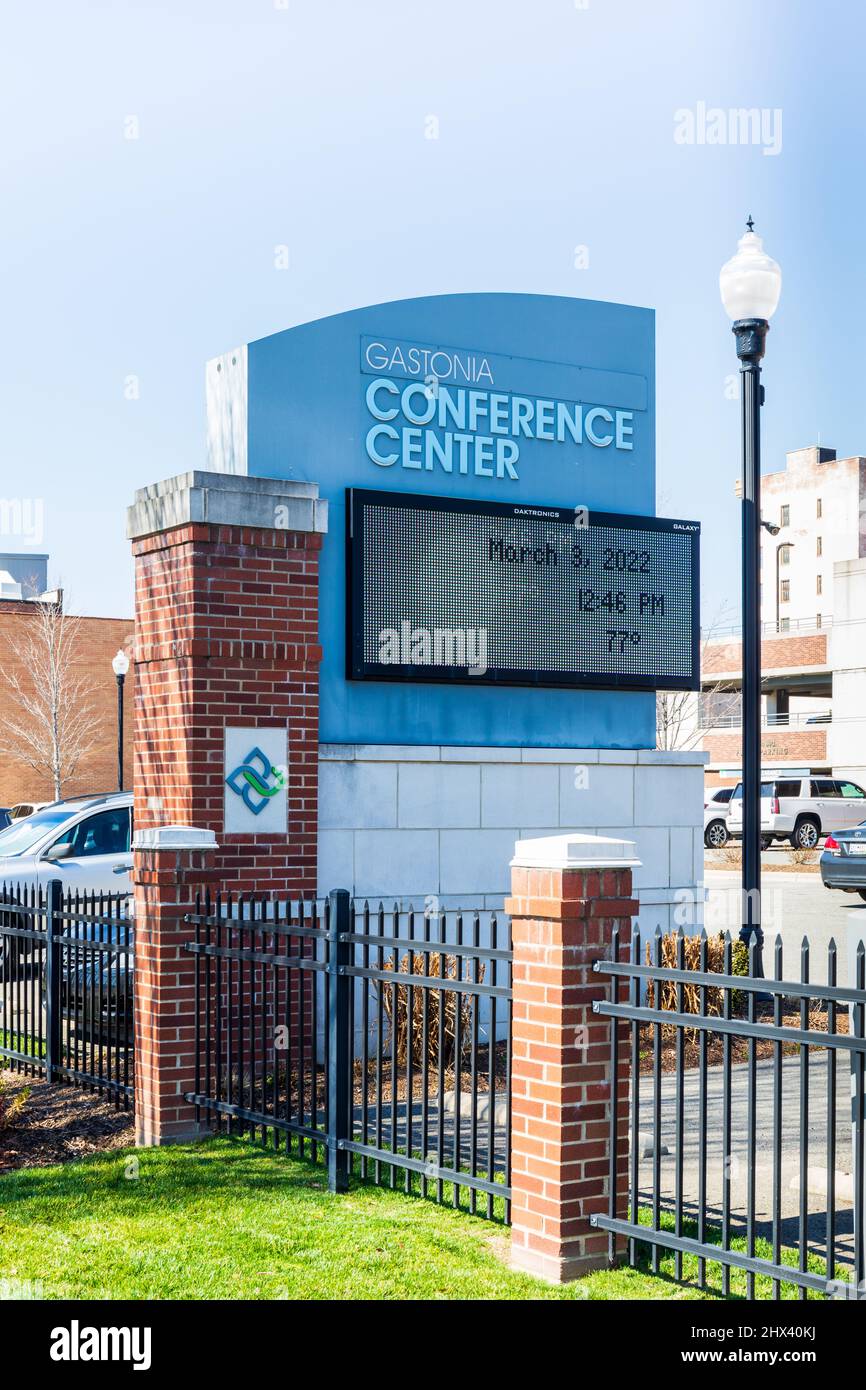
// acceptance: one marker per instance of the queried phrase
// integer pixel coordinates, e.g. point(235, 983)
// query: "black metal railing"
point(429, 1037)
point(261, 1007)
point(66, 987)
point(379, 1038)
point(726, 1150)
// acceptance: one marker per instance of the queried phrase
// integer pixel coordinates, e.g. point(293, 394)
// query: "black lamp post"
point(750, 285)
point(120, 666)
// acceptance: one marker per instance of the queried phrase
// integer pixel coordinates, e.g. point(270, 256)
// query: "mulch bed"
point(806, 861)
point(482, 1076)
point(59, 1124)
point(739, 1046)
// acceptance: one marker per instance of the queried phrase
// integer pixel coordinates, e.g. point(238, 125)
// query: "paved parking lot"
point(795, 905)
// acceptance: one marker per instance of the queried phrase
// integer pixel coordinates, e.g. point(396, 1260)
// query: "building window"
point(819, 549)
point(819, 584)
point(784, 624)
point(786, 590)
point(784, 555)
point(818, 511)
point(785, 519)
point(818, 620)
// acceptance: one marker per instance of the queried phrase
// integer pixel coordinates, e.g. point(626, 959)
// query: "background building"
point(23, 575)
point(96, 641)
point(813, 612)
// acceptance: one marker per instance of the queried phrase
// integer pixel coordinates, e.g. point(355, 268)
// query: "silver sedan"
point(843, 861)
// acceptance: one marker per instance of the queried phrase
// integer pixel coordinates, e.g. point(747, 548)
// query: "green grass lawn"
point(224, 1219)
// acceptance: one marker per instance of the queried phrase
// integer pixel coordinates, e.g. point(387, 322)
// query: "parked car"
point(26, 808)
point(716, 809)
point(801, 809)
point(843, 862)
point(5, 818)
point(85, 843)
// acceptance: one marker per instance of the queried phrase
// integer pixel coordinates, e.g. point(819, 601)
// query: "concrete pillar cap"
point(174, 837)
point(574, 850)
point(226, 499)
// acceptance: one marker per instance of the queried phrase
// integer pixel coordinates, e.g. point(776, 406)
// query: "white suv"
point(85, 842)
point(716, 810)
point(801, 809)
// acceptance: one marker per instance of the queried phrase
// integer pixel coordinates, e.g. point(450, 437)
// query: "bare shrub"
point(690, 1002)
point(439, 1006)
point(10, 1105)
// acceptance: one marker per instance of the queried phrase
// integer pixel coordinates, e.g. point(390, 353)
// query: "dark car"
point(843, 862)
point(5, 818)
point(97, 974)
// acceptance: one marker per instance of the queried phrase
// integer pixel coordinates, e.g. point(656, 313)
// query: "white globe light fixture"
point(120, 663)
point(751, 281)
point(750, 284)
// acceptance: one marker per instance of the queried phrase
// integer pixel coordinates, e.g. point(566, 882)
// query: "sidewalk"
point(738, 1165)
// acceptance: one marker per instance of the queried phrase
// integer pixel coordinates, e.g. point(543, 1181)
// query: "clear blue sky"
point(262, 125)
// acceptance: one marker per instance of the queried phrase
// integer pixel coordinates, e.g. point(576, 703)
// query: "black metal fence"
point(262, 1052)
point(379, 1038)
point(738, 1153)
point(66, 987)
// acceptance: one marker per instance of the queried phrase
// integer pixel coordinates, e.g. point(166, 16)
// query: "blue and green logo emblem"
point(251, 780)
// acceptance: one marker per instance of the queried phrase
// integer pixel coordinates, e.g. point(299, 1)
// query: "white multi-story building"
point(813, 612)
point(819, 502)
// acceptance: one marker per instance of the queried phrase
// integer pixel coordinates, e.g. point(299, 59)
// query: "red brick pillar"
point(568, 893)
point(226, 636)
point(170, 865)
point(227, 682)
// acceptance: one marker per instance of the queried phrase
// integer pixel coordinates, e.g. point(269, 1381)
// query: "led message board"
point(462, 590)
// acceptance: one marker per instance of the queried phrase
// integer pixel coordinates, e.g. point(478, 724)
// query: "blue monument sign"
point(494, 426)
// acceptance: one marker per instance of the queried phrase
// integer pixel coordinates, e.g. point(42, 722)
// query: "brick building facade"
point(97, 641)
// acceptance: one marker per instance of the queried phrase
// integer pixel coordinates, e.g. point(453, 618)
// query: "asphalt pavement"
point(735, 1161)
point(795, 905)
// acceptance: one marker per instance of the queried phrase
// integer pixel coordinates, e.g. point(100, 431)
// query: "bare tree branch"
point(679, 714)
point(49, 723)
